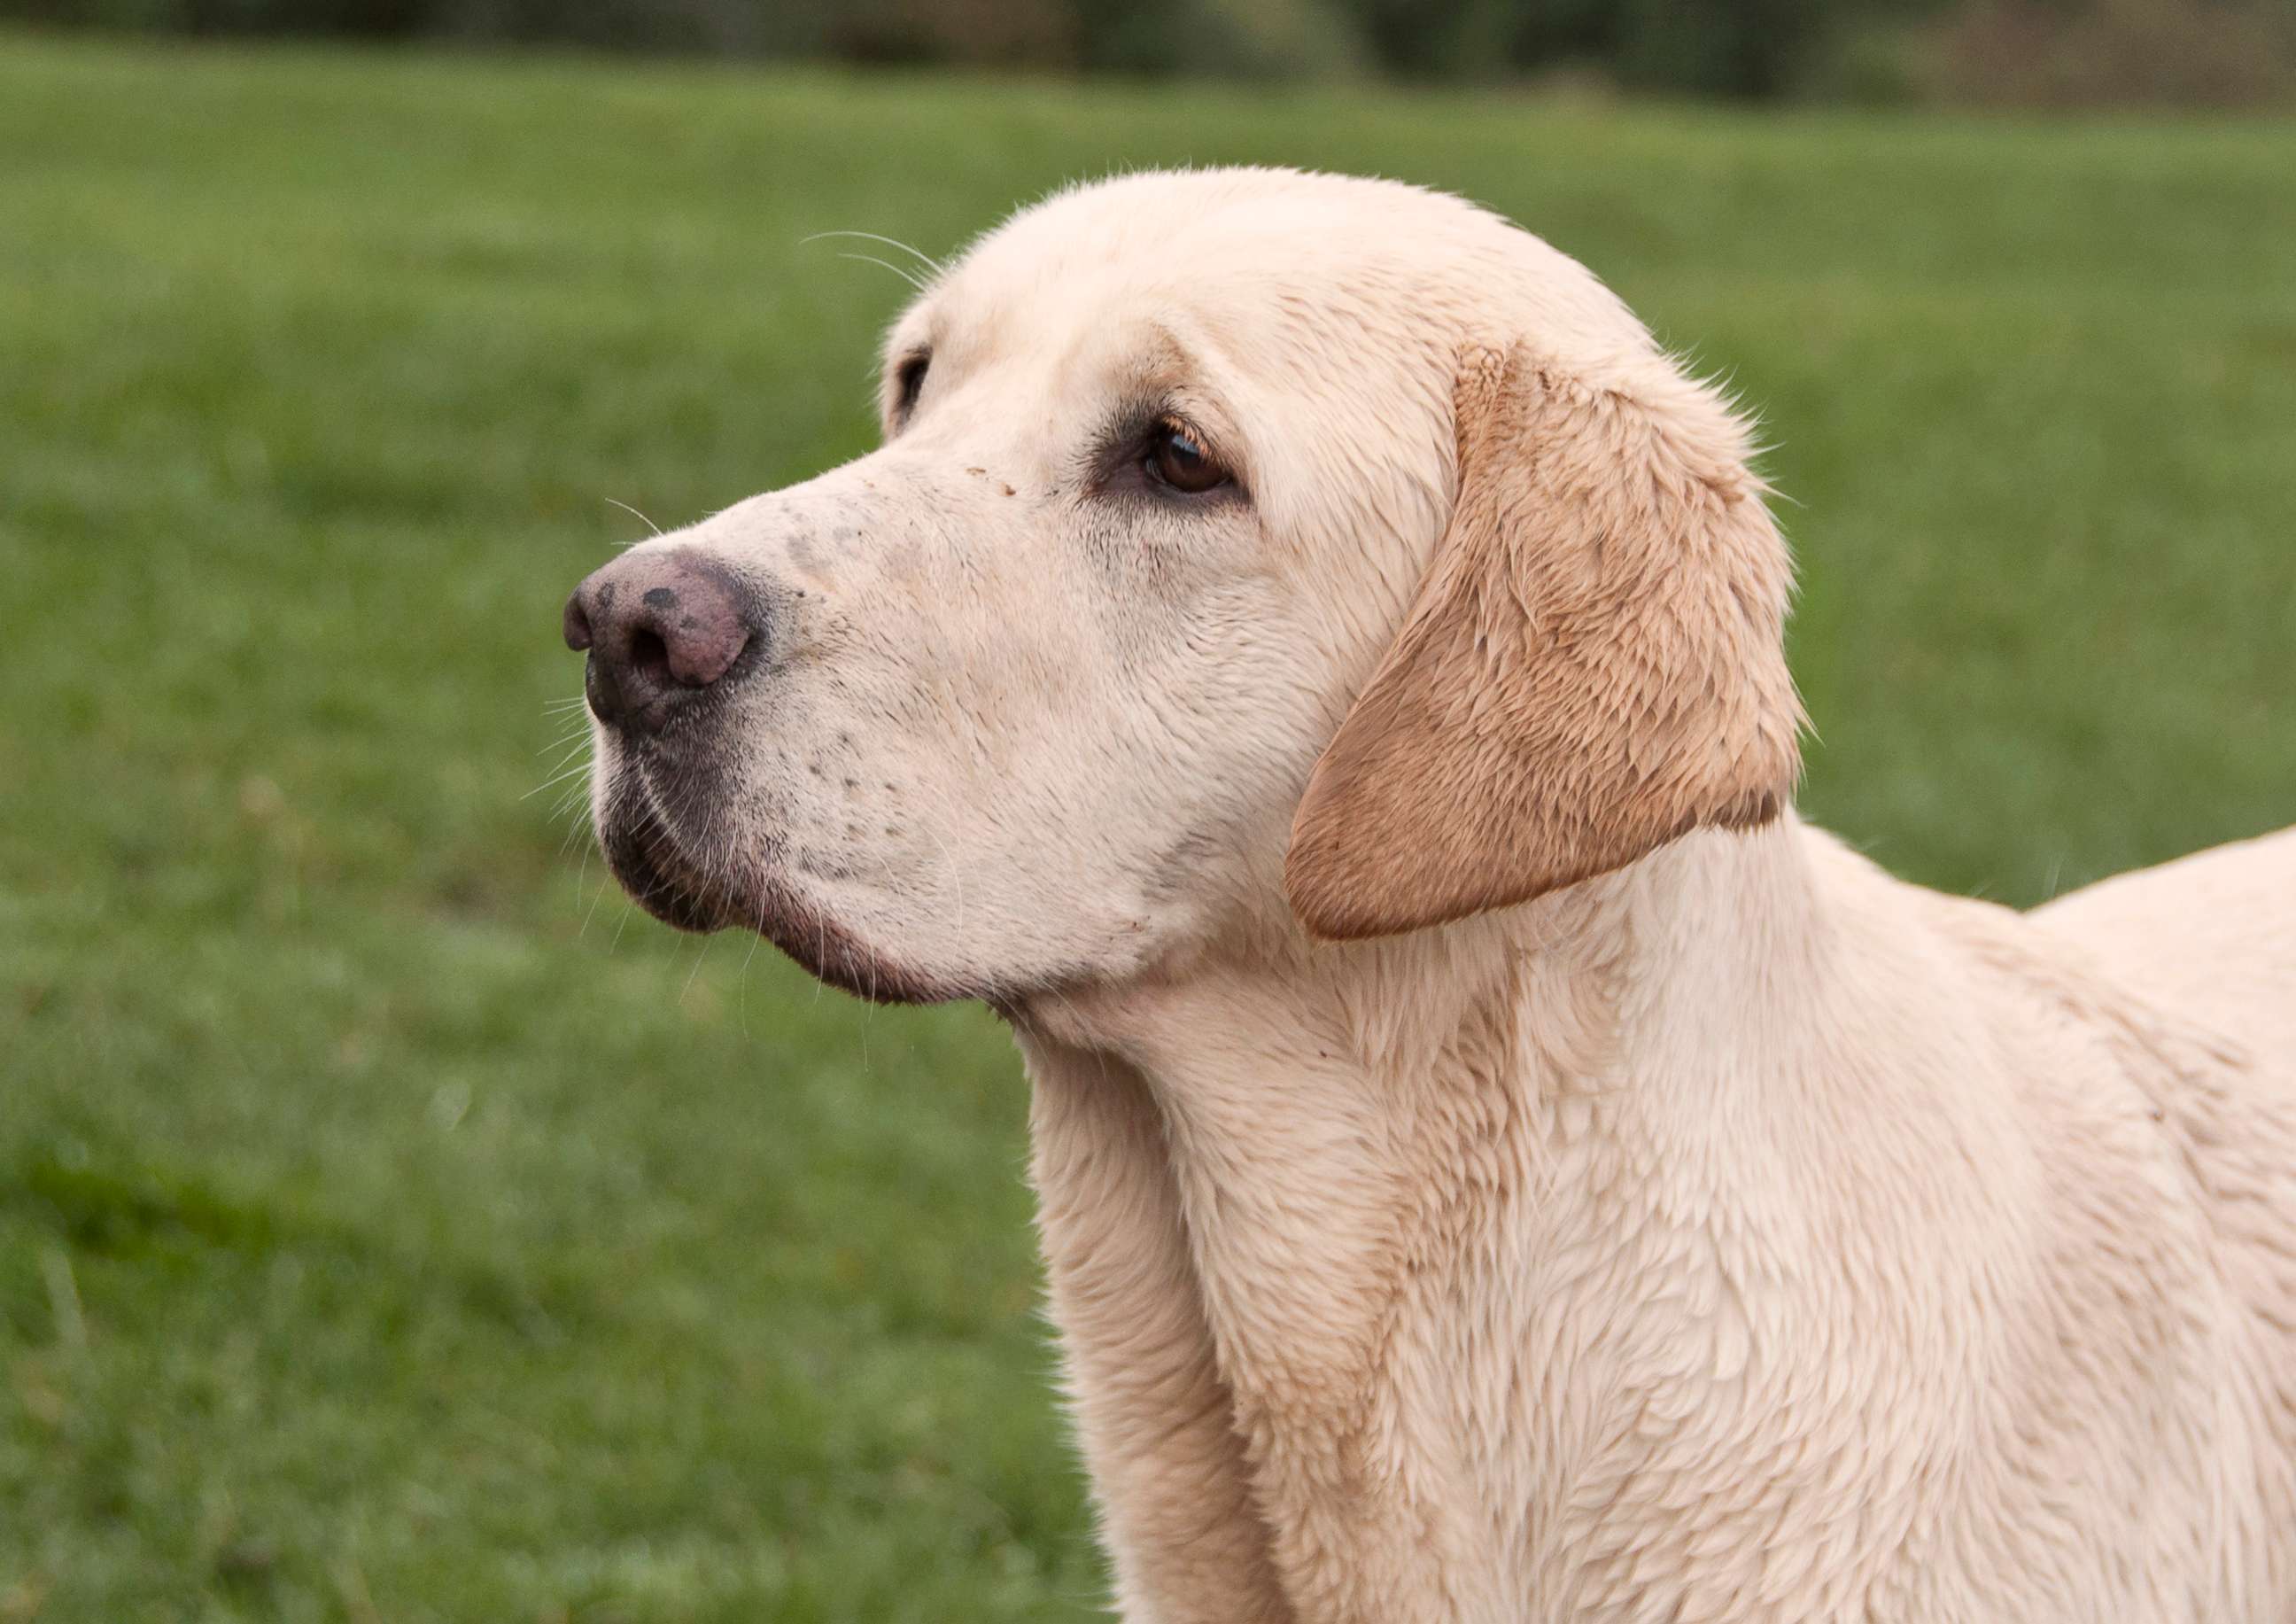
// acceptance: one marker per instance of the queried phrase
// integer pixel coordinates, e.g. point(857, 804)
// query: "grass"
point(390, 1227)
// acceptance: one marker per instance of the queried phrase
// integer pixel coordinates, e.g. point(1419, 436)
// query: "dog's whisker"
point(931, 264)
point(633, 512)
point(596, 897)
point(706, 942)
point(555, 780)
point(914, 281)
point(749, 958)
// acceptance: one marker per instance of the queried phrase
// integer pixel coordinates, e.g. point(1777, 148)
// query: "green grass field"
point(391, 1227)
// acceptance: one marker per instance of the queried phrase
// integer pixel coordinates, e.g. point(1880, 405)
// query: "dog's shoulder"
point(2210, 938)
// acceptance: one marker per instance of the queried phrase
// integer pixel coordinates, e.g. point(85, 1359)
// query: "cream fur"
point(1722, 1230)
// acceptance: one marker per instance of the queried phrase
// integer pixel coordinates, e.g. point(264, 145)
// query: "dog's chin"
point(653, 868)
point(667, 877)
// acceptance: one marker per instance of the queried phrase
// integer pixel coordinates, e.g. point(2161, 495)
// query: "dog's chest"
point(1622, 1389)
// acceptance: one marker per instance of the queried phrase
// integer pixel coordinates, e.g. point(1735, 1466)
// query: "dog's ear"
point(1594, 663)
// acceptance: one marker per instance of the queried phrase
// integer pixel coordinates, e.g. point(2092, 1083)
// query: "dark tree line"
point(2031, 51)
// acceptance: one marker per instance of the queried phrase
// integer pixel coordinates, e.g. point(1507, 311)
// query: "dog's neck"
point(1653, 978)
point(1261, 1179)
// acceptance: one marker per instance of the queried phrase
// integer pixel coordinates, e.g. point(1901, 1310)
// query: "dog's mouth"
point(660, 870)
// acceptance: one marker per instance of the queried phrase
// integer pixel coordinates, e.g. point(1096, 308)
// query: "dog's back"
point(2211, 936)
point(2209, 942)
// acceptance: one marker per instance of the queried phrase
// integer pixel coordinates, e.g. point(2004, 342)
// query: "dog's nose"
point(660, 629)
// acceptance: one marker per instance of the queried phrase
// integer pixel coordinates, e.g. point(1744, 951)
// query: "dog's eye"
point(909, 382)
point(1178, 458)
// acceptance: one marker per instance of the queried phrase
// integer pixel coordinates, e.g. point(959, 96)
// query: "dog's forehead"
point(1156, 213)
point(1207, 238)
point(1249, 260)
point(1148, 272)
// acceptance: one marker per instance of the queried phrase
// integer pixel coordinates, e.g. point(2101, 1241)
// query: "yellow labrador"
point(1308, 659)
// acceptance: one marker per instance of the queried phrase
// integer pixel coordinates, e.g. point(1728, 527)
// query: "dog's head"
point(1243, 544)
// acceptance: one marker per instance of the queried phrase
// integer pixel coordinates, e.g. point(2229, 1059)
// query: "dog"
point(1308, 659)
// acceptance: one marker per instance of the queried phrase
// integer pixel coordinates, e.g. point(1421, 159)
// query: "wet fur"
point(1568, 1187)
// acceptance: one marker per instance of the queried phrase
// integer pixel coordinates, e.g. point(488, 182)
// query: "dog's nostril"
point(650, 655)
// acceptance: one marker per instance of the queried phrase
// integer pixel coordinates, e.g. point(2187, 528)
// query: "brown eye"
point(908, 382)
point(1178, 458)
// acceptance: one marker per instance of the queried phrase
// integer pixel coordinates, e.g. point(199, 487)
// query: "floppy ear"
point(1593, 664)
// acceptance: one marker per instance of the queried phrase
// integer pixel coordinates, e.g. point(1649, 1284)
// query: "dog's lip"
point(645, 856)
point(648, 857)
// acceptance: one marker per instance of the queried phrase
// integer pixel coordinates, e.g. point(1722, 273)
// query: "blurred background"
point(2034, 53)
point(393, 1226)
